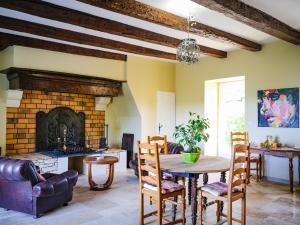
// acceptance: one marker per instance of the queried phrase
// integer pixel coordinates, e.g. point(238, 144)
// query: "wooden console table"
point(100, 160)
point(285, 152)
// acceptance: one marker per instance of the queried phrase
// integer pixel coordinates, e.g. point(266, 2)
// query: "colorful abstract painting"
point(278, 108)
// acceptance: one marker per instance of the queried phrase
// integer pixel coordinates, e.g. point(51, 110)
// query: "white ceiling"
point(287, 11)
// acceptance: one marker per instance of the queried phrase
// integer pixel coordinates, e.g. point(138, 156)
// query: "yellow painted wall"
point(145, 77)
point(6, 59)
point(122, 116)
point(134, 111)
point(276, 66)
point(63, 62)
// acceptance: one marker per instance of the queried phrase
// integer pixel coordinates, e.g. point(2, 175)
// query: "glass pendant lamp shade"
point(188, 51)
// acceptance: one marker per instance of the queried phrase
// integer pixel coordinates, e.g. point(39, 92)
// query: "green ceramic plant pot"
point(190, 157)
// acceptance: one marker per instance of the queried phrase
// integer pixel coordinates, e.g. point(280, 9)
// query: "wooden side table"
point(100, 160)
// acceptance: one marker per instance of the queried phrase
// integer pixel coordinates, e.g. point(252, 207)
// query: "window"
point(225, 108)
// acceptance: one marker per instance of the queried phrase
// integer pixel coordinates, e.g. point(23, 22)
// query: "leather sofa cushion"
point(72, 176)
point(43, 189)
point(53, 186)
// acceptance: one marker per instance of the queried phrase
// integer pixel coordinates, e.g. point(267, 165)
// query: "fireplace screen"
point(62, 129)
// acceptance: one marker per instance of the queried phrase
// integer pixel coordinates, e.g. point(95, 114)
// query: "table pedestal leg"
point(205, 181)
point(222, 179)
point(189, 190)
point(194, 199)
point(100, 187)
point(291, 172)
point(299, 169)
point(260, 166)
point(174, 207)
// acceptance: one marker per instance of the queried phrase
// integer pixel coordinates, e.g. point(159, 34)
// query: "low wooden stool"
point(100, 160)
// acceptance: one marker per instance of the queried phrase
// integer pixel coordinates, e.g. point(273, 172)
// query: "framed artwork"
point(278, 108)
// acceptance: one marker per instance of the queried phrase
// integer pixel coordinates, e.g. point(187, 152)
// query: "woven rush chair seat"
point(253, 158)
point(166, 186)
point(167, 176)
point(218, 188)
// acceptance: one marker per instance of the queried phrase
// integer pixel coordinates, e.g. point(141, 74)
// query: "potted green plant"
point(189, 135)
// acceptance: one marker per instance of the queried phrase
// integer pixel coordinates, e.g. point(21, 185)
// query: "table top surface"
point(206, 164)
point(101, 159)
point(281, 149)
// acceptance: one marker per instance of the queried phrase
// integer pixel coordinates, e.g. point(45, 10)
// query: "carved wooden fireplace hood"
point(49, 81)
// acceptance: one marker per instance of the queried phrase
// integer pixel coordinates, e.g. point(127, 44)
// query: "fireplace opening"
point(61, 132)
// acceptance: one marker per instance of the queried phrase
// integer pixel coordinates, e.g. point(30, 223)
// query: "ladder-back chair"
point(161, 141)
point(154, 187)
point(243, 138)
point(235, 189)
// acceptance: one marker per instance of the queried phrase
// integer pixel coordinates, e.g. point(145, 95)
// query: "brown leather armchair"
point(21, 190)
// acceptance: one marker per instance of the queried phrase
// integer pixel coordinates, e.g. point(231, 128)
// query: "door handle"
point(159, 127)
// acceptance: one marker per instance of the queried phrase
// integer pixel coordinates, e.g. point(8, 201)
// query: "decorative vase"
point(189, 157)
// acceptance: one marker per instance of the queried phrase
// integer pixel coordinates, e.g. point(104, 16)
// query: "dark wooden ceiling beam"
point(70, 16)
point(253, 17)
point(144, 12)
point(3, 46)
point(49, 81)
point(80, 38)
point(10, 39)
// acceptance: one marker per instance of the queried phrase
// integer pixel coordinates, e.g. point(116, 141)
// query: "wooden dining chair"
point(161, 141)
point(153, 186)
point(243, 138)
point(162, 144)
point(222, 192)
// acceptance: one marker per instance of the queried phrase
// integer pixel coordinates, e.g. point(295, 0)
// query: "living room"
point(88, 87)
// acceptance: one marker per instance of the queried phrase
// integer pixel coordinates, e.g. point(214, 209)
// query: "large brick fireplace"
point(55, 119)
point(62, 107)
point(21, 122)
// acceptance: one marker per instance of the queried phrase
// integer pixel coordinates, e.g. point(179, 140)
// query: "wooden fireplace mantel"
point(49, 81)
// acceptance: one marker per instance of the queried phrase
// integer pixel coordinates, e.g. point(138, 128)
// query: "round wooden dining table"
point(174, 165)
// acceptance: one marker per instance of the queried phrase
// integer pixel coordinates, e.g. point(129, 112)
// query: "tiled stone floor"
point(267, 204)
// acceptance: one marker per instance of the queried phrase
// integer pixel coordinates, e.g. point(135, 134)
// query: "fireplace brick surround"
point(21, 122)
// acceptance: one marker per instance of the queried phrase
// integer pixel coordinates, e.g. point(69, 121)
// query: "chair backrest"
point(148, 165)
point(161, 141)
point(239, 138)
point(239, 168)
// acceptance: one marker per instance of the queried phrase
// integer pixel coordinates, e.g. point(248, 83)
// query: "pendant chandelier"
point(188, 50)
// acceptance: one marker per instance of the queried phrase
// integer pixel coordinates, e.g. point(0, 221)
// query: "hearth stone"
point(60, 153)
point(47, 164)
point(50, 164)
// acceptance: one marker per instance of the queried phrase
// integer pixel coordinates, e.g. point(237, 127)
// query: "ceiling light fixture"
point(188, 50)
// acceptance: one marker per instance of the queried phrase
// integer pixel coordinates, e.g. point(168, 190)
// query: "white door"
point(166, 114)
